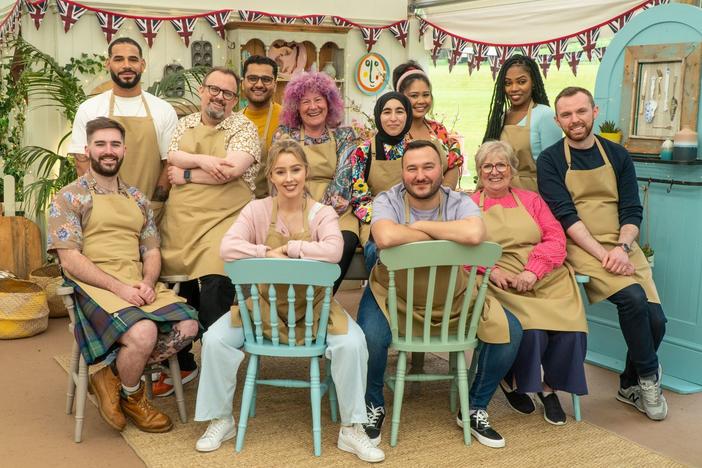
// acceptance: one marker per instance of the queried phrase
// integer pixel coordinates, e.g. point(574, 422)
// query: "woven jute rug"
point(280, 435)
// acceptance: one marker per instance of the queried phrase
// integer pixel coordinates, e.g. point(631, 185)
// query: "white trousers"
point(221, 358)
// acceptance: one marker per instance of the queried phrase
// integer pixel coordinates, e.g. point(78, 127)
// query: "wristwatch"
point(187, 175)
point(625, 247)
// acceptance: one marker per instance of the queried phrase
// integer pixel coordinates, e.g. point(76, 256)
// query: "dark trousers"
point(212, 296)
point(643, 326)
point(350, 244)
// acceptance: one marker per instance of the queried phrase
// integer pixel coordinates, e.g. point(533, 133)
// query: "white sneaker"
point(353, 439)
point(654, 404)
point(219, 430)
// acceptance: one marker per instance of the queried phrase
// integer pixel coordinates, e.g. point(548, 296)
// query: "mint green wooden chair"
point(433, 254)
point(254, 272)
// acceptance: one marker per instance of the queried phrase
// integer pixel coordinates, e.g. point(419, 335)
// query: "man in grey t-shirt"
point(435, 213)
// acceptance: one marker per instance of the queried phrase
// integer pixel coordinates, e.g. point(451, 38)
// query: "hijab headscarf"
point(382, 138)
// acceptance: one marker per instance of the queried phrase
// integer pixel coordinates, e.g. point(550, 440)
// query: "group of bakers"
point(157, 196)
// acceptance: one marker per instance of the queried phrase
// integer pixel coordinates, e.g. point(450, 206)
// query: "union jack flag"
point(279, 19)
point(618, 23)
point(148, 28)
point(558, 50)
point(588, 40)
point(423, 26)
point(109, 23)
point(37, 11)
point(250, 16)
point(401, 31)
point(503, 53)
point(531, 50)
point(218, 20)
point(370, 36)
point(438, 37)
point(69, 13)
point(599, 53)
point(184, 27)
point(573, 59)
point(495, 66)
point(339, 21)
point(545, 63)
point(314, 20)
point(479, 54)
point(653, 3)
point(458, 45)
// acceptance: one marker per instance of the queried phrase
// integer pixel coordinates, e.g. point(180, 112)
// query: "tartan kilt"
point(97, 331)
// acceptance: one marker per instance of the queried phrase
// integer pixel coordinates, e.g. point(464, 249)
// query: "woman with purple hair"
point(313, 110)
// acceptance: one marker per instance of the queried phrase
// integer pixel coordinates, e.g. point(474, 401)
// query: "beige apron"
point(596, 199)
point(555, 302)
point(492, 327)
point(261, 181)
point(383, 175)
point(322, 160)
point(198, 215)
point(520, 139)
point(111, 242)
point(338, 319)
point(141, 166)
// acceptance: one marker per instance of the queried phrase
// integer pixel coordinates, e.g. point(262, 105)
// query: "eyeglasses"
point(215, 90)
point(487, 168)
point(265, 79)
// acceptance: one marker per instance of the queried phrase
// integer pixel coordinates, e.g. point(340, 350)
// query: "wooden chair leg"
point(81, 396)
point(462, 377)
point(174, 368)
point(397, 400)
point(333, 403)
point(316, 400)
point(72, 373)
point(576, 407)
point(149, 385)
point(246, 397)
point(454, 382)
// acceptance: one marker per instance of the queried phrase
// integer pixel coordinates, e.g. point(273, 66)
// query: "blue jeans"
point(370, 254)
point(494, 360)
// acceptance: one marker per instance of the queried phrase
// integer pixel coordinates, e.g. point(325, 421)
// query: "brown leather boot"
point(105, 385)
point(138, 408)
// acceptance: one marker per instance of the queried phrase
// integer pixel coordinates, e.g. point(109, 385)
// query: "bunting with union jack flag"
point(109, 23)
point(314, 20)
point(400, 31)
point(37, 11)
point(370, 36)
point(148, 27)
point(69, 13)
point(184, 27)
point(218, 20)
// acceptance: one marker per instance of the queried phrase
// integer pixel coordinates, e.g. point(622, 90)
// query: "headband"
point(413, 71)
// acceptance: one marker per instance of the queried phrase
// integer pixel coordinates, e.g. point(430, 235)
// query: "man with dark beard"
point(420, 209)
point(104, 234)
point(149, 122)
point(590, 185)
point(213, 161)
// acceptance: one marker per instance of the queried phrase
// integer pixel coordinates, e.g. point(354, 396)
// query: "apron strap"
point(111, 107)
point(568, 157)
point(481, 203)
point(407, 207)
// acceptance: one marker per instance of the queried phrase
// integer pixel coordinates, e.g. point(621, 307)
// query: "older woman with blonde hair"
point(531, 280)
point(288, 224)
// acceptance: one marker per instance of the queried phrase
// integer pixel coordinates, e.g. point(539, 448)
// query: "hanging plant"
point(646, 247)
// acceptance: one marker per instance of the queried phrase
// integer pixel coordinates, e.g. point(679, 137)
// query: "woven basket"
point(23, 309)
point(49, 278)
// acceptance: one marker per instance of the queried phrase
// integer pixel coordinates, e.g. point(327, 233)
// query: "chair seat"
point(267, 348)
point(435, 345)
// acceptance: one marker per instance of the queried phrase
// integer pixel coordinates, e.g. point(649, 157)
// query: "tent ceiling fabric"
point(517, 22)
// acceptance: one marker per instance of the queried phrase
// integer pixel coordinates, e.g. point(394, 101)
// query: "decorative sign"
point(372, 73)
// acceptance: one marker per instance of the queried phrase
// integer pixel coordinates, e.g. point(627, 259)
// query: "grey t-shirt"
point(390, 205)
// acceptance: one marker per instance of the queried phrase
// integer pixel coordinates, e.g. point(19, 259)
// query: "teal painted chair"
point(434, 254)
point(292, 272)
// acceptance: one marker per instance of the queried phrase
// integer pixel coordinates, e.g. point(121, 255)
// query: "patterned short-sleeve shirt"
point(70, 210)
point(240, 135)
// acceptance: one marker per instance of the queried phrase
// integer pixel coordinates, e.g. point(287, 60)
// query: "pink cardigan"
point(247, 236)
point(548, 254)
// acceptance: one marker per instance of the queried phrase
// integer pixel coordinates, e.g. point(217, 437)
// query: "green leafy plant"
point(647, 250)
point(609, 126)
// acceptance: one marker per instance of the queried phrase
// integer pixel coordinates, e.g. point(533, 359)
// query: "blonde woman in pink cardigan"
point(288, 224)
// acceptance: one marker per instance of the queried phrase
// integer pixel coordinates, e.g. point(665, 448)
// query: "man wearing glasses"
point(258, 86)
point(214, 158)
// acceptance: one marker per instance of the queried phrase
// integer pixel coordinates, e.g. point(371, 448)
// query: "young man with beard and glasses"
point(148, 120)
point(590, 185)
point(419, 209)
point(214, 159)
point(258, 86)
point(121, 306)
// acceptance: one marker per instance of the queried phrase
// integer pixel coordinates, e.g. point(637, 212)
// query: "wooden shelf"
point(232, 25)
point(658, 160)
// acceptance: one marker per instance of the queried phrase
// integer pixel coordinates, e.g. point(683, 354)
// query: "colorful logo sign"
point(372, 73)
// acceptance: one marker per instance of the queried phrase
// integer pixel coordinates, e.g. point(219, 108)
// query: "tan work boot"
point(138, 408)
point(105, 386)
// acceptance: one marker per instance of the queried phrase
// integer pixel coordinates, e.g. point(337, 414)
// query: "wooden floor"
point(36, 432)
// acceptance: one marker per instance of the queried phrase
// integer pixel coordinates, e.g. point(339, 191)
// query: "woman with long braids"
point(410, 79)
point(520, 115)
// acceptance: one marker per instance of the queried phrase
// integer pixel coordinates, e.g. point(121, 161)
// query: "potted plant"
point(610, 131)
point(648, 252)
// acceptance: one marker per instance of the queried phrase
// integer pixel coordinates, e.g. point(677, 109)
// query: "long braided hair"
point(500, 102)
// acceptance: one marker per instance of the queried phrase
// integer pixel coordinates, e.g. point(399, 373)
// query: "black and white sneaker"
point(631, 396)
point(376, 416)
point(519, 402)
point(553, 412)
point(480, 429)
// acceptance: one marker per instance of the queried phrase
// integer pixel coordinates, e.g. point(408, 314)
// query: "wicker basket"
point(49, 278)
point(23, 309)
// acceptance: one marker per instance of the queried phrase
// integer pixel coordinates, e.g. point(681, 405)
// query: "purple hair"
point(311, 81)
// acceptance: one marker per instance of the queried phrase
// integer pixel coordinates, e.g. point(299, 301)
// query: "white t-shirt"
point(165, 118)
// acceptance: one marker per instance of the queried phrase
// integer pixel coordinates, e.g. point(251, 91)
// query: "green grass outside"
point(462, 101)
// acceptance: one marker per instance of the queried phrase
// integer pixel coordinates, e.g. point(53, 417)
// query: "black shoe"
point(553, 413)
point(519, 402)
point(376, 415)
point(481, 430)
